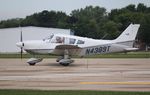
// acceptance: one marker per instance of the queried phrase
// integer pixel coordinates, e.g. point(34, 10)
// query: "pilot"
point(59, 40)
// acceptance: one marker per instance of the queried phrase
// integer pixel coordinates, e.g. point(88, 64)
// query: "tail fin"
point(128, 35)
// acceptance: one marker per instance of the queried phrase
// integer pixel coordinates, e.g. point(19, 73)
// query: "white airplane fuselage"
point(90, 47)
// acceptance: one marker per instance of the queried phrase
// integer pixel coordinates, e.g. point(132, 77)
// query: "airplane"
point(67, 45)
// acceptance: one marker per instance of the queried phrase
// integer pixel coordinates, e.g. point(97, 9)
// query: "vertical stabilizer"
point(128, 35)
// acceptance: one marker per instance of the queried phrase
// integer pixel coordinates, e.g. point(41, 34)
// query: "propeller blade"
point(21, 39)
point(21, 36)
point(21, 52)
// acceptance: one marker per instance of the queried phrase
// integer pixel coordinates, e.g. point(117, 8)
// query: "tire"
point(32, 64)
point(66, 64)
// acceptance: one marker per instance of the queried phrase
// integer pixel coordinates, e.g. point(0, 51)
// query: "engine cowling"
point(33, 61)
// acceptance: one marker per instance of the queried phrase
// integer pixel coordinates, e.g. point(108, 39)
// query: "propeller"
point(21, 40)
point(20, 44)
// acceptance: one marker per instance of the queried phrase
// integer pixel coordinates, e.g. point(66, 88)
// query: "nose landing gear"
point(33, 61)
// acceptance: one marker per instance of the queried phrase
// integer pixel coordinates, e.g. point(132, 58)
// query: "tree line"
point(93, 22)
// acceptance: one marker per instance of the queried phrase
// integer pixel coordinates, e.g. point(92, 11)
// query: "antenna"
point(104, 36)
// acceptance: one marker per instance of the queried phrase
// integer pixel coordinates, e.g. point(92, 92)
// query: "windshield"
point(48, 37)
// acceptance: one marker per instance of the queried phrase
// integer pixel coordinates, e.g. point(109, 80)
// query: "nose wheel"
point(33, 61)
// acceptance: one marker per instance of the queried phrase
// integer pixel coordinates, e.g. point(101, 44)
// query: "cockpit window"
point(63, 40)
point(80, 42)
point(58, 39)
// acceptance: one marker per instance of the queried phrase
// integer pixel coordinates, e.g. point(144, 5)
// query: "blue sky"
point(21, 8)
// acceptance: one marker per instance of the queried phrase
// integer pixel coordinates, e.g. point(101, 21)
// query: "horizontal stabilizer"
point(131, 49)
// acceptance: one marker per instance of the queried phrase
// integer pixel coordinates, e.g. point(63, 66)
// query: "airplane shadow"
point(58, 65)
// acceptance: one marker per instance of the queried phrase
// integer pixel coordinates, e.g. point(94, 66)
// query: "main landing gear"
point(65, 60)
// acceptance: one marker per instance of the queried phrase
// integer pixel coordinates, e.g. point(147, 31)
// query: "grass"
point(114, 55)
point(68, 92)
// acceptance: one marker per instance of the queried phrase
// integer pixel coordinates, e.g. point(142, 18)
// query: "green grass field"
point(114, 55)
point(65, 92)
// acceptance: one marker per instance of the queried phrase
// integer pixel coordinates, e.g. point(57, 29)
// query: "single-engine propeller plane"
point(67, 45)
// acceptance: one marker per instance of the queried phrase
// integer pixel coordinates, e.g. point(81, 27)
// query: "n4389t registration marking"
point(98, 50)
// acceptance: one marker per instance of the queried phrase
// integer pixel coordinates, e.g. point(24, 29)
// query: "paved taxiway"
point(83, 74)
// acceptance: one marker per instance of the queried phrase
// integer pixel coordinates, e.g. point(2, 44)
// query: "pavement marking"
point(117, 83)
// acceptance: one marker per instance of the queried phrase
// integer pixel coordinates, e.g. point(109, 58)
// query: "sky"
point(22, 8)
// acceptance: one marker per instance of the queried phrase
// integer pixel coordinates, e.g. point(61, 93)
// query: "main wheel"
point(32, 64)
point(64, 64)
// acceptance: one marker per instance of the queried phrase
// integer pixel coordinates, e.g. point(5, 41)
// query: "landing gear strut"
point(65, 60)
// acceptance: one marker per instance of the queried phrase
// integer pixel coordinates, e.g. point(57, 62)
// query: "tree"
point(111, 30)
point(10, 23)
point(89, 21)
point(144, 33)
point(141, 7)
point(131, 8)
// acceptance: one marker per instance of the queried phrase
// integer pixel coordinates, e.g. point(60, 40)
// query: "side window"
point(69, 41)
point(72, 41)
point(80, 42)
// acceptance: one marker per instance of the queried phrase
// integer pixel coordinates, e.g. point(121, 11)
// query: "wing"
point(64, 47)
point(72, 49)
